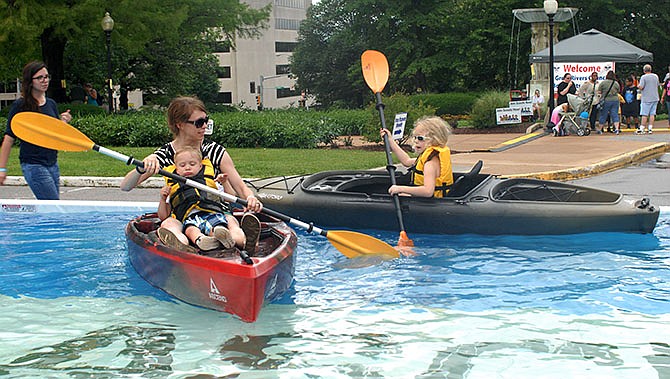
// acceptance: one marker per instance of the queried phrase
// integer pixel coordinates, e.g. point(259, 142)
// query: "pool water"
point(592, 305)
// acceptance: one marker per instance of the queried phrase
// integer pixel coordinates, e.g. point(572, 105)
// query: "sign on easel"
point(508, 116)
point(526, 106)
point(399, 125)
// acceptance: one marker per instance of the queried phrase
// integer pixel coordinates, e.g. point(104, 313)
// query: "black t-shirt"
point(28, 152)
point(564, 98)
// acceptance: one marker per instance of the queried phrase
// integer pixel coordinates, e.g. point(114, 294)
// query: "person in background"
point(538, 103)
point(608, 90)
point(187, 118)
point(431, 171)
point(648, 87)
point(587, 91)
point(630, 108)
point(665, 97)
point(565, 87)
point(39, 165)
point(91, 94)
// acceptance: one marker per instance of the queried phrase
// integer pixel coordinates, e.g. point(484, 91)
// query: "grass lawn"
point(251, 163)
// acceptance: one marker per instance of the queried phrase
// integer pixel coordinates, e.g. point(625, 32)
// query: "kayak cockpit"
point(523, 189)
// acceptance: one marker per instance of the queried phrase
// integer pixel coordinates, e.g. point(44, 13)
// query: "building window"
point(283, 69)
point(223, 72)
point(299, 4)
point(287, 24)
point(224, 98)
point(221, 46)
point(252, 87)
point(283, 92)
point(285, 47)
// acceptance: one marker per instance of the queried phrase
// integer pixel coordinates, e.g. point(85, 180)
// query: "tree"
point(445, 45)
point(39, 29)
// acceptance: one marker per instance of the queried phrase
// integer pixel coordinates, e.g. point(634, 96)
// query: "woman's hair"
point(180, 109)
point(436, 128)
point(566, 75)
point(610, 75)
point(29, 70)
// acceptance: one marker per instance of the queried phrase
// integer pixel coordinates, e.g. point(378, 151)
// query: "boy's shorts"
point(206, 221)
point(648, 108)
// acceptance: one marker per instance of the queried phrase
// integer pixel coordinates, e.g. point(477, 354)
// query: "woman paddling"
point(187, 118)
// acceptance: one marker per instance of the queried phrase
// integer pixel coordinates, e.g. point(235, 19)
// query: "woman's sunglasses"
point(199, 123)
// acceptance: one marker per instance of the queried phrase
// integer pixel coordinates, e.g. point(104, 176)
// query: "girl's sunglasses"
point(199, 123)
point(420, 138)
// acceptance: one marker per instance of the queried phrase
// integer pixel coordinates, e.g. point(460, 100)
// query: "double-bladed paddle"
point(376, 74)
point(51, 133)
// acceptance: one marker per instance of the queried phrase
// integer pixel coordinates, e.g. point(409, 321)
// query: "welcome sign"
point(581, 72)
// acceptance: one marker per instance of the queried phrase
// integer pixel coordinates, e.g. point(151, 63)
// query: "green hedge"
point(456, 103)
point(270, 129)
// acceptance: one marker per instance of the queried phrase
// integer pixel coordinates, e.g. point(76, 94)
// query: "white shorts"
point(648, 108)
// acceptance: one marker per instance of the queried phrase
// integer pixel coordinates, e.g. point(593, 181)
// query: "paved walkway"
point(547, 157)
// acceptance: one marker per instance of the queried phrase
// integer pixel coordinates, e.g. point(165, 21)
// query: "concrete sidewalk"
point(547, 157)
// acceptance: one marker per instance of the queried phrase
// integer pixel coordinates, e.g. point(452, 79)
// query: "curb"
point(611, 164)
point(89, 181)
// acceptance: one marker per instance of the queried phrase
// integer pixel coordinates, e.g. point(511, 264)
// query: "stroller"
point(577, 121)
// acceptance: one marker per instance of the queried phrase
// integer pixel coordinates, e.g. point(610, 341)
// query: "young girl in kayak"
point(431, 171)
point(208, 222)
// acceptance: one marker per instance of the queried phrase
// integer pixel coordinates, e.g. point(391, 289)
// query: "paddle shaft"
point(228, 197)
point(390, 167)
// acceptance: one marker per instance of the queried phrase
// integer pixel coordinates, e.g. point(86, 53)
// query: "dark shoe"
point(206, 243)
point(223, 235)
point(251, 227)
point(170, 240)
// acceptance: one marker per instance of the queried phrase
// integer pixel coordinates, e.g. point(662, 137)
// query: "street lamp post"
point(550, 8)
point(261, 79)
point(107, 26)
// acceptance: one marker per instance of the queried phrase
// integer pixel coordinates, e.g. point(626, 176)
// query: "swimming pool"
point(592, 305)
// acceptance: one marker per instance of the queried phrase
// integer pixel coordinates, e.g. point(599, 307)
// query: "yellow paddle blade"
point(52, 133)
point(375, 70)
point(354, 244)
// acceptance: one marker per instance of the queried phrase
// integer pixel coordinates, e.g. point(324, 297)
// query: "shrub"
point(394, 104)
point(458, 103)
point(483, 114)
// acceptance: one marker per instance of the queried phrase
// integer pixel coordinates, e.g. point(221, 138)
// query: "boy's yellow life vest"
point(185, 199)
point(446, 178)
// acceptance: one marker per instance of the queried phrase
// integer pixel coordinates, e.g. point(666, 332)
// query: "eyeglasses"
point(199, 123)
point(42, 78)
point(421, 138)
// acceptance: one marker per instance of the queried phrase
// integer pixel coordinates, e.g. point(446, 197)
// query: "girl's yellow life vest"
point(446, 178)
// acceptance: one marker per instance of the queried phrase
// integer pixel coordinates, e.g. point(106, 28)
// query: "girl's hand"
point(253, 204)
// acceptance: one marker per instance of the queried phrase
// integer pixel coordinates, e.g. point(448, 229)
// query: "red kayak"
point(223, 283)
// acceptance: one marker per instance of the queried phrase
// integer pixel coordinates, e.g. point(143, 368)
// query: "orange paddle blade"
point(405, 245)
point(375, 70)
point(354, 244)
point(52, 133)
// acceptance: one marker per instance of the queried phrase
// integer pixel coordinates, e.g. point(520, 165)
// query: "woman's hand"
point(253, 204)
point(66, 116)
point(151, 164)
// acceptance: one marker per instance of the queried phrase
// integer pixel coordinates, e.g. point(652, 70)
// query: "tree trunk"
point(52, 54)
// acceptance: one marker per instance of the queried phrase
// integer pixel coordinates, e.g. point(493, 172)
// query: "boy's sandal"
point(251, 227)
point(206, 243)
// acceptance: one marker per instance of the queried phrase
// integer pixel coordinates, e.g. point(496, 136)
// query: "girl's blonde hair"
point(436, 128)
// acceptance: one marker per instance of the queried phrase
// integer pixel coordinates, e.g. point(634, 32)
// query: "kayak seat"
point(464, 183)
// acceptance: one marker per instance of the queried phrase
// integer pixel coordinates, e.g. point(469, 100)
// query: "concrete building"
point(258, 70)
